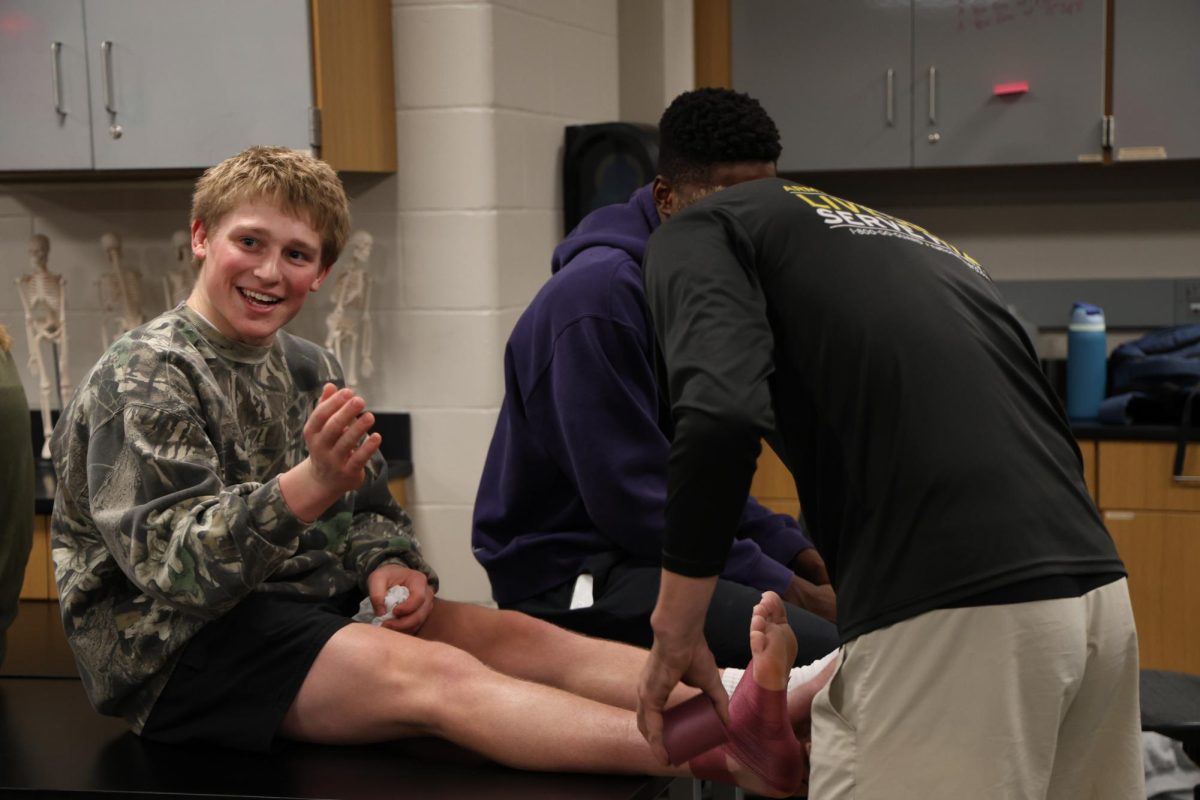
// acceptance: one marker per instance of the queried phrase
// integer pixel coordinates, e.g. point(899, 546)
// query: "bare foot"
point(772, 643)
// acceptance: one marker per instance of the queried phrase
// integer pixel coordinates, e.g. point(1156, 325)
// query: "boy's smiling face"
point(259, 265)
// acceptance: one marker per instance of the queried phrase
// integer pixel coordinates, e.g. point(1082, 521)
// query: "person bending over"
point(222, 508)
point(982, 605)
point(569, 515)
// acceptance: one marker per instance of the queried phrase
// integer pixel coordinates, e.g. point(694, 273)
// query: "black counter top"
point(1094, 431)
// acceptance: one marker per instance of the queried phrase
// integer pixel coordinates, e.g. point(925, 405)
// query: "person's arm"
point(383, 551)
point(717, 349)
point(788, 563)
point(157, 496)
point(716, 343)
point(679, 653)
point(779, 535)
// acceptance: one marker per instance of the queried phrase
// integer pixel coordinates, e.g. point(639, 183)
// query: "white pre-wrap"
point(798, 675)
point(366, 612)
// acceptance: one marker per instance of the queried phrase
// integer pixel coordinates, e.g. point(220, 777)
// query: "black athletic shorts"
point(237, 678)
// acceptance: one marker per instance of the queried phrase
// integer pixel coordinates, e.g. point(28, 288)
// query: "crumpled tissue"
point(366, 612)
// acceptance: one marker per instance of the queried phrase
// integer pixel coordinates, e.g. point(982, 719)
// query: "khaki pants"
point(1023, 701)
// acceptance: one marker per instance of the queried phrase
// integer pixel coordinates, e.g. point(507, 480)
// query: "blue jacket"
point(578, 462)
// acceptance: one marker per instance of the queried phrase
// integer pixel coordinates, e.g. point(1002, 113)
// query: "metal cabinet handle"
point(106, 52)
point(56, 74)
point(933, 95)
point(891, 97)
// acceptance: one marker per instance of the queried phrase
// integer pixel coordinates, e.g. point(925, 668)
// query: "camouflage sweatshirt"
point(168, 510)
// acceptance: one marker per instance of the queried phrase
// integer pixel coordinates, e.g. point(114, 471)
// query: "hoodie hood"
point(624, 226)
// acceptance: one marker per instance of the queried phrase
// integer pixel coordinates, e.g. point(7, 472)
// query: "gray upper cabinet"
point(869, 84)
point(169, 83)
point(1156, 79)
point(45, 121)
point(835, 75)
point(1008, 82)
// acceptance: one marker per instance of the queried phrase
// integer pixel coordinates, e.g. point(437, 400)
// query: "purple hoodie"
point(578, 462)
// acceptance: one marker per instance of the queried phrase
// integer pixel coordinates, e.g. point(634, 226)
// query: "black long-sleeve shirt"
point(930, 455)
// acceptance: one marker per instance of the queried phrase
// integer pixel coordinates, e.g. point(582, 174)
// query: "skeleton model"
point(178, 282)
point(120, 293)
point(349, 323)
point(44, 299)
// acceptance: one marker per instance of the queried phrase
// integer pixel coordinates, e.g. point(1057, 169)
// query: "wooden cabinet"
point(858, 84)
point(39, 570)
point(1088, 451)
point(1155, 522)
point(1161, 551)
point(773, 485)
point(170, 84)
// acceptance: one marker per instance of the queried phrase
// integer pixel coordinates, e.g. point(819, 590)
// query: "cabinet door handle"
point(106, 52)
point(933, 95)
point(56, 74)
point(891, 97)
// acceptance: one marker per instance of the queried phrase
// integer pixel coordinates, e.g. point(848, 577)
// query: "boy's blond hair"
point(295, 181)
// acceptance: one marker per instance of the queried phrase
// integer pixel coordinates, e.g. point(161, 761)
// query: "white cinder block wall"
point(484, 90)
point(465, 229)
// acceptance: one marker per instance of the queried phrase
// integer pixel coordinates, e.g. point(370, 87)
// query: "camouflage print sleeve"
point(381, 531)
point(177, 531)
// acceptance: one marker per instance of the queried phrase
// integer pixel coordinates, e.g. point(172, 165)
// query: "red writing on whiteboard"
point(982, 14)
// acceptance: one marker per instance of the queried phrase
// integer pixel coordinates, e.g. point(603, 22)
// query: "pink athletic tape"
point(691, 728)
point(760, 738)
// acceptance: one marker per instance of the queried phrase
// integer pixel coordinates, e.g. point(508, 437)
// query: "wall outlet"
point(1187, 301)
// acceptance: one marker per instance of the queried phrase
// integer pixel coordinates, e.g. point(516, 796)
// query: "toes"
point(758, 643)
point(773, 610)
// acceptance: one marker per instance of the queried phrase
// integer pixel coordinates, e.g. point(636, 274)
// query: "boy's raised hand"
point(337, 453)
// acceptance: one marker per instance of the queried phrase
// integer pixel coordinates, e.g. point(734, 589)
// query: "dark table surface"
point(53, 743)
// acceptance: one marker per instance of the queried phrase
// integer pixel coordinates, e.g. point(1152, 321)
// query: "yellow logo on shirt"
point(865, 221)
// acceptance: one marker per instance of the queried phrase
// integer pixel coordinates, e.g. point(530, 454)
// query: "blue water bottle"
point(1087, 355)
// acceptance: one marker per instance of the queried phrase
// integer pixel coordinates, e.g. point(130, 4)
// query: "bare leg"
point(534, 650)
point(370, 684)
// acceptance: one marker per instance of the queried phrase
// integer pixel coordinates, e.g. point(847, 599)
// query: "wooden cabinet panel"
point(51, 584)
point(36, 584)
point(771, 478)
point(1088, 449)
point(1137, 475)
point(399, 490)
point(773, 485)
point(1162, 552)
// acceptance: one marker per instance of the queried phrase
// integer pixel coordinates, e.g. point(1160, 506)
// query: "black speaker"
point(603, 163)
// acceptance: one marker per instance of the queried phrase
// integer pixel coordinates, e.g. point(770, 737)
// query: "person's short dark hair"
point(705, 127)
